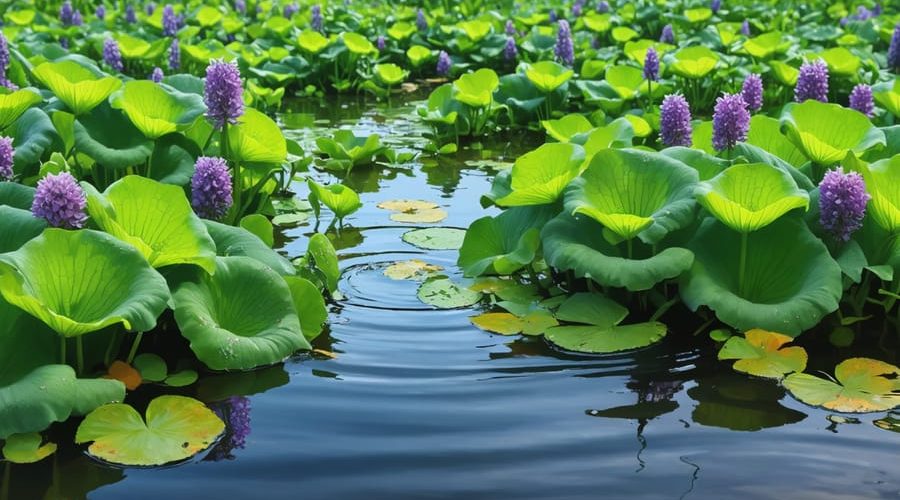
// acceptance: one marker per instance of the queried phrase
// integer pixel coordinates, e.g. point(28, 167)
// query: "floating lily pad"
point(125, 373)
point(602, 334)
point(443, 293)
point(176, 428)
point(151, 367)
point(27, 448)
point(413, 269)
point(863, 385)
point(414, 211)
point(534, 323)
point(763, 354)
point(435, 238)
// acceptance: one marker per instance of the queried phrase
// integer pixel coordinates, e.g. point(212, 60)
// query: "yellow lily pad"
point(533, 323)
point(27, 448)
point(761, 353)
point(412, 269)
point(863, 385)
point(414, 211)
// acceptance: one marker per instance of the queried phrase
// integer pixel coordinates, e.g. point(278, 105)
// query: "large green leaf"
point(765, 45)
point(109, 137)
point(155, 218)
point(81, 281)
point(157, 110)
point(236, 241)
point(548, 76)
point(176, 428)
point(750, 196)
point(76, 86)
point(240, 318)
point(862, 385)
point(567, 127)
point(887, 94)
point(476, 89)
point(765, 132)
point(17, 227)
point(602, 334)
point(310, 305)
point(340, 199)
point(694, 62)
point(825, 132)
point(346, 146)
point(577, 244)
point(503, 244)
point(790, 280)
point(882, 180)
point(634, 193)
point(33, 135)
point(256, 138)
point(16, 195)
point(13, 104)
point(541, 175)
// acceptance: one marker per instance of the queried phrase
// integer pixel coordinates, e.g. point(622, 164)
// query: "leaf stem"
point(62, 350)
point(79, 355)
point(134, 347)
point(743, 263)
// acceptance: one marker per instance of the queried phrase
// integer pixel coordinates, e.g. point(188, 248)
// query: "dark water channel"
point(418, 403)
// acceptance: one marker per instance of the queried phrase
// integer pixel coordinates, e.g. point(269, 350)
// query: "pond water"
point(403, 400)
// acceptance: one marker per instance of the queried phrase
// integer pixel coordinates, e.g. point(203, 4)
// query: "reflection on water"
point(413, 402)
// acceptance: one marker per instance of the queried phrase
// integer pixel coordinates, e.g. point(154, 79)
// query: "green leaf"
point(548, 76)
point(312, 41)
point(418, 55)
point(540, 176)
point(321, 254)
point(616, 134)
point(887, 94)
point(114, 282)
point(346, 146)
point(594, 339)
point(76, 86)
point(694, 62)
point(173, 159)
point(765, 132)
point(260, 226)
point(863, 385)
point(565, 128)
point(309, 304)
point(766, 44)
point(503, 244)
point(435, 238)
point(236, 241)
point(176, 428)
point(841, 62)
point(578, 244)
point(445, 294)
point(155, 218)
point(16, 195)
point(761, 353)
point(13, 104)
point(151, 367)
point(790, 281)
point(390, 74)
point(256, 138)
point(476, 89)
point(634, 193)
point(33, 135)
point(826, 132)
point(882, 180)
point(240, 318)
point(340, 199)
point(401, 30)
point(107, 136)
point(357, 43)
point(750, 196)
point(18, 227)
point(27, 448)
point(627, 81)
point(157, 110)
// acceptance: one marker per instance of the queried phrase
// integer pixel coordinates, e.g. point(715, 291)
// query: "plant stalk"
point(743, 263)
point(134, 347)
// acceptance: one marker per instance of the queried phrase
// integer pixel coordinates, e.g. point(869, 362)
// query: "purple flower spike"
point(7, 154)
point(510, 28)
point(443, 64)
point(553, 17)
point(667, 36)
point(316, 22)
point(169, 21)
point(510, 51)
point(752, 92)
point(812, 83)
point(77, 20)
point(380, 43)
point(66, 13)
point(130, 14)
point(290, 9)
point(211, 188)
point(842, 203)
point(240, 6)
point(651, 65)
point(150, 8)
point(564, 50)
point(715, 5)
point(603, 7)
point(174, 55)
point(745, 28)
point(576, 10)
point(157, 75)
point(111, 55)
point(100, 12)
point(893, 55)
point(223, 93)
point(4, 64)
point(60, 201)
point(421, 22)
point(861, 99)
point(731, 121)
point(675, 121)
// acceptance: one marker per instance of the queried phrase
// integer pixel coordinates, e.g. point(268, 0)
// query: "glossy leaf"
point(75, 85)
point(157, 110)
point(762, 353)
point(862, 385)
point(540, 176)
point(826, 132)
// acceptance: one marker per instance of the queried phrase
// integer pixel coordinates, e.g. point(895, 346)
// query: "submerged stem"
point(134, 347)
point(79, 355)
point(630, 244)
point(743, 263)
point(62, 350)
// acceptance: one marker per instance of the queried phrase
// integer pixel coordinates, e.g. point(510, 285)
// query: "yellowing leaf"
point(502, 323)
point(411, 269)
point(26, 448)
point(863, 385)
point(414, 211)
point(123, 372)
point(761, 353)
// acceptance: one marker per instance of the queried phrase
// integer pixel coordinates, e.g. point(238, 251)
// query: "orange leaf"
point(123, 372)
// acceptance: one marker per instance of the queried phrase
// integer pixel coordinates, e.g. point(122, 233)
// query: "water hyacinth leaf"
point(309, 304)
point(256, 138)
point(18, 227)
point(548, 76)
point(443, 293)
point(616, 134)
point(78, 87)
point(13, 104)
point(765, 45)
point(340, 199)
point(762, 353)
point(435, 238)
point(765, 132)
point(259, 226)
point(401, 30)
point(357, 43)
point(863, 385)
point(155, 218)
point(346, 146)
point(413, 269)
point(312, 41)
point(33, 135)
point(157, 110)
point(476, 89)
point(592, 309)
point(594, 339)
point(109, 137)
point(694, 62)
point(577, 244)
point(887, 94)
point(790, 284)
point(540, 176)
point(236, 241)
point(627, 81)
point(826, 132)
point(750, 196)
point(634, 193)
point(418, 54)
point(565, 128)
point(173, 158)
point(240, 318)
point(176, 428)
point(882, 180)
point(532, 323)
point(706, 165)
point(390, 74)
point(784, 73)
point(414, 211)
point(503, 244)
point(116, 284)
point(27, 448)
point(841, 61)
point(151, 367)
point(16, 195)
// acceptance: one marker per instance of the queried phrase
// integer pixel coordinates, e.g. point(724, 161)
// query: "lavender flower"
point(510, 28)
point(842, 203)
point(240, 6)
point(169, 21)
point(603, 7)
point(893, 55)
point(731, 121)
point(564, 50)
point(667, 36)
point(77, 19)
point(223, 93)
point(596, 43)
point(715, 5)
point(316, 22)
point(812, 83)
point(7, 153)
point(150, 8)
point(64, 43)
point(157, 75)
point(745, 28)
point(211, 188)
point(752, 92)
point(66, 13)
point(651, 65)
point(130, 15)
point(421, 22)
point(380, 43)
point(553, 17)
point(510, 51)
point(4, 64)
point(861, 99)
point(290, 9)
point(111, 54)
point(235, 412)
point(60, 200)
point(443, 64)
point(576, 9)
point(675, 121)
point(174, 55)
point(100, 12)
